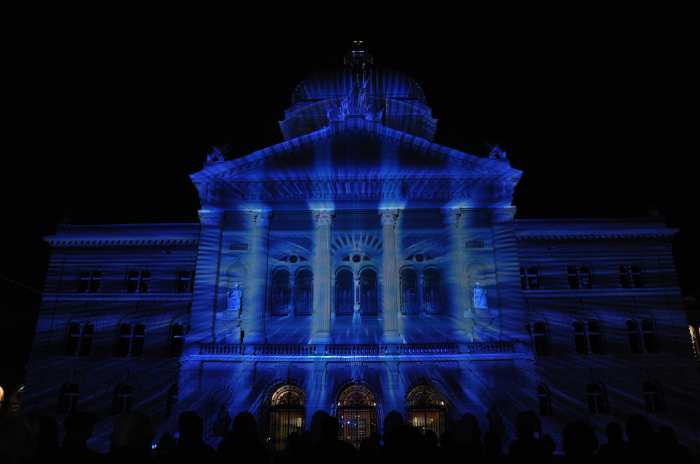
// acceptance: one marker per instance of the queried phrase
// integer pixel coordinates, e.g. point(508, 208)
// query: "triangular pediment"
point(347, 154)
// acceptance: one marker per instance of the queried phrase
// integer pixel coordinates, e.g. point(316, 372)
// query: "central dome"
point(337, 83)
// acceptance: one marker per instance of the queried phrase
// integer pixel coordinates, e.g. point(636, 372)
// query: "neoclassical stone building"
point(358, 268)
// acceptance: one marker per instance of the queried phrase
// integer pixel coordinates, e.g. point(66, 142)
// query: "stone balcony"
point(419, 350)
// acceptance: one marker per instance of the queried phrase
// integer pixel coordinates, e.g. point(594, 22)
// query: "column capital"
point(210, 217)
point(259, 218)
point(389, 216)
point(455, 216)
point(323, 217)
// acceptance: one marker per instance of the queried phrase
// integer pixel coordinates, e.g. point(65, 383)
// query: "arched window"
point(357, 414)
point(653, 399)
point(369, 303)
point(432, 296)
point(597, 399)
point(426, 409)
point(177, 339)
point(649, 336)
point(344, 292)
point(68, 398)
point(79, 339)
point(281, 292)
point(409, 291)
point(544, 399)
point(130, 340)
point(540, 338)
point(304, 292)
point(287, 413)
point(122, 399)
point(73, 339)
point(587, 337)
point(633, 336)
point(171, 400)
point(580, 341)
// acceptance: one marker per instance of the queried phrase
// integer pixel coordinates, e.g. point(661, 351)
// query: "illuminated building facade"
point(358, 268)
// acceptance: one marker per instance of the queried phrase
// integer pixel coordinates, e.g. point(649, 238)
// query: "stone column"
point(206, 284)
point(255, 291)
point(390, 273)
point(459, 306)
point(321, 319)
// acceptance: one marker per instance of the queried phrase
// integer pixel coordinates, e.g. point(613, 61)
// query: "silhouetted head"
point(527, 425)
point(166, 444)
point(639, 430)
point(467, 431)
point(190, 426)
point(318, 425)
point(579, 440)
point(392, 422)
point(79, 427)
point(133, 432)
point(48, 433)
point(431, 439)
point(614, 432)
point(667, 436)
point(492, 443)
point(245, 426)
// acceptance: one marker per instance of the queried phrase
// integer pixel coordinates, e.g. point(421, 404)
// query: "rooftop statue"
point(498, 153)
point(214, 156)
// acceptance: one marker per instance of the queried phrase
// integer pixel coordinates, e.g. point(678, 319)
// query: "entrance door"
point(357, 414)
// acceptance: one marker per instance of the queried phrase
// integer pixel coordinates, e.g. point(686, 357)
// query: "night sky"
point(106, 126)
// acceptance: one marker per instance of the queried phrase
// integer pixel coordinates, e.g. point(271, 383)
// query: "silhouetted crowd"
point(36, 440)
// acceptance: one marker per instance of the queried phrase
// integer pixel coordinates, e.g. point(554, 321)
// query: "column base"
point(321, 338)
point(392, 337)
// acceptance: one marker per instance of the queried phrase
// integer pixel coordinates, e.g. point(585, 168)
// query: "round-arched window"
point(357, 414)
point(287, 413)
point(426, 409)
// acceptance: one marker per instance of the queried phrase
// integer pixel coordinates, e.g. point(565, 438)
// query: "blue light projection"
point(362, 269)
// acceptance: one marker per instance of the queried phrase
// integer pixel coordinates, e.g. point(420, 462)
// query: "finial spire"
point(359, 60)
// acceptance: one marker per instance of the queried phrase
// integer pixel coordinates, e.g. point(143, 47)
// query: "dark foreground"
point(27, 439)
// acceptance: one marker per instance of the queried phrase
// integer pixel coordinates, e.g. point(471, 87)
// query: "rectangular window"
point(138, 281)
point(579, 277)
point(89, 281)
point(530, 278)
point(631, 276)
point(183, 282)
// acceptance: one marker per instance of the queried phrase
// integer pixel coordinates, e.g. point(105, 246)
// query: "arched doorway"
point(281, 292)
point(426, 409)
point(357, 414)
point(343, 292)
point(287, 412)
point(303, 292)
point(409, 291)
point(432, 295)
point(368, 292)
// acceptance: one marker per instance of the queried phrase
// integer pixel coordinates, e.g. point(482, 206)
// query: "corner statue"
point(234, 298)
point(479, 298)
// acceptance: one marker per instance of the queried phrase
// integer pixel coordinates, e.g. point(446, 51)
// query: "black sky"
point(106, 125)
